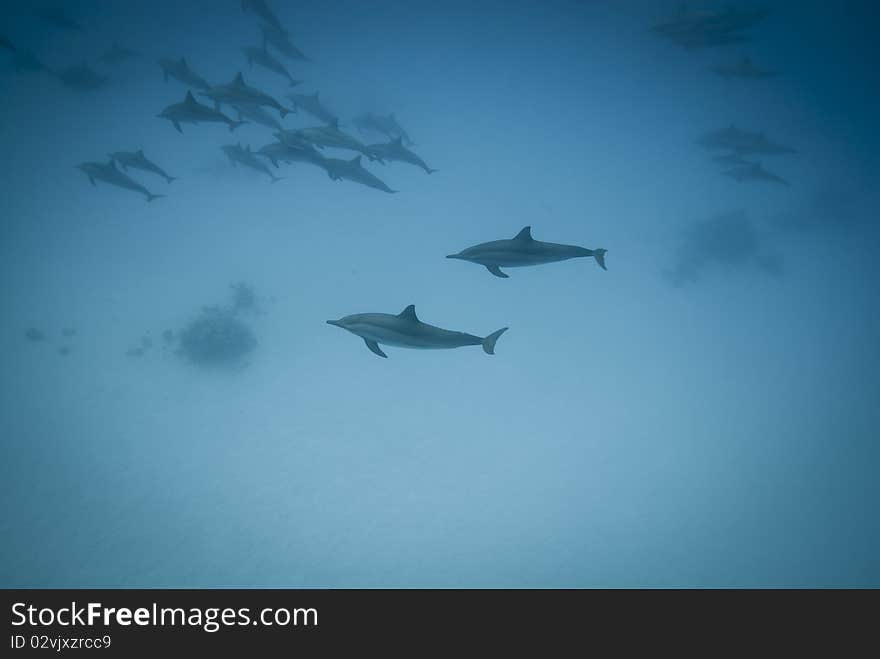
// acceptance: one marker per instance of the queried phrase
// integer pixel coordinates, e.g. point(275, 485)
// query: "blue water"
point(704, 413)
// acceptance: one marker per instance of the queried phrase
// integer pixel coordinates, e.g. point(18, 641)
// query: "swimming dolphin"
point(117, 54)
point(523, 250)
point(81, 77)
point(109, 173)
point(265, 59)
point(243, 155)
point(386, 125)
point(405, 330)
point(238, 92)
point(353, 170)
point(743, 69)
point(394, 150)
point(137, 160)
point(331, 135)
point(190, 111)
point(180, 71)
point(732, 159)
point(281, 41)
point(57, 17)
point(257, 115)
point(261, 9)
point(311, 104)
point(754, 172)
point(277, 152)
point(6, 43)
point(742, 142)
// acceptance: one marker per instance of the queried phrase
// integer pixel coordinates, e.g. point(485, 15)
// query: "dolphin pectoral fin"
point(374, 348)
point(177, 126)
point(495, 270)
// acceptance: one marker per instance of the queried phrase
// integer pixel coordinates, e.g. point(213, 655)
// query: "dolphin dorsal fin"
point(190, 98)
point(239, 79)
point(409, 314)
point(525, 234)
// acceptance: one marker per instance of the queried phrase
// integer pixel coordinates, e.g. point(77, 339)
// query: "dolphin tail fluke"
point(235, 124)
point(177, 126)
point(599, 255)
point(151, 196)
point(429, 170)
point(489, 341)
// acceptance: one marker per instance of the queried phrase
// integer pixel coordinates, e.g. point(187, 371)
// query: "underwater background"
point(703, 413)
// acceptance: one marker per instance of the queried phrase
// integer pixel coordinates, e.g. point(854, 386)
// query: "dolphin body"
point(353, 170)
point(394, 150)
point(279, 151)
point(311, 104)
point(257, 115)
point(732, 160)
point(190, 111)
point(238, 92)
point(280, 39)
point(117, 54)
point(81, 77)
point(238, 154)
point(261, 9)
point(741, 142)
point(754, 172)
point(180, 71)
point(330, 135)
point(386, 125)
point(109, 173)
point(265, 59)
point(523, 250)
point(743, 69)
point(405, 330)
point(137, 160)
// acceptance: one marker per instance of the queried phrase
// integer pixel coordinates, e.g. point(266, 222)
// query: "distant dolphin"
point(116, 55)
point(331, 135)
point(57, 17)
point(265, 59)
point(238, 92)
point(394, 150)
point(261, 9)
point(732, 160)
point(754, 172)
point(743, 69)
point(311, 104)
point(108, 173)
point(137, 160)
point(244, 156)
point(257, 115)
point(386, 125)
point(405, 330)
point(281, 41)
point(180, 71)
point(279, 151)
point(190, 111)
point(523, 250)
point(353, 170)
point(81, 77)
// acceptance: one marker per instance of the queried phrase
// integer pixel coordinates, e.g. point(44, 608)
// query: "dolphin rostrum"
point(190, 111)
point(523, 250)
point(109, 173)
point(238, 92)
point(137, 160)
point(179, 70)
point(405, 330)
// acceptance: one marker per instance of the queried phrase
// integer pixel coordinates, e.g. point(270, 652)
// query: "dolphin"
point(57, 17)
point(179, 70)
point(280, 39)
point(265, 59)
point(243, 155)
point(257, 115)
point(109, 173)
point(117, 54)
point(6, 43)
point(238, 92)
point(81, 77)
point(394, 150)
point(733, 139)
point(261, 9)
point(25, 60)
point(137, 160)
point(523, 250)
point(743, 69)
point(754, 172)
point(353, 170)
point(405, 330)
point(190, 111)
point(732, 159)
point(311, 104)
point(385, 125)
point(331, 135)
point(279, 151)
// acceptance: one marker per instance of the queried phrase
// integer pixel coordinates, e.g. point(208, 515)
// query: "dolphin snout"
point(334, 322)
point(453, 256)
